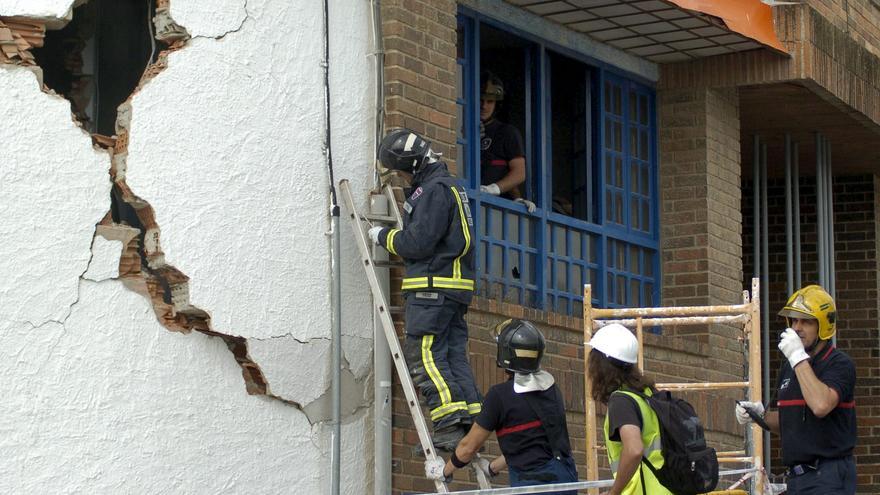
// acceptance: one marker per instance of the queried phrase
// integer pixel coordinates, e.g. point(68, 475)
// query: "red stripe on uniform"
point(514, 429)
point(498, 163)
point(825, 356)
point(802, 402)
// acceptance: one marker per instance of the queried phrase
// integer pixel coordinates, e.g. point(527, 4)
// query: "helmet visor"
point(795, 313)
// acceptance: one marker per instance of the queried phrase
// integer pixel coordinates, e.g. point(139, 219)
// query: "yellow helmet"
point(812, 302)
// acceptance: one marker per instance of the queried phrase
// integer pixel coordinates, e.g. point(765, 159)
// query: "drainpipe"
point(796, 193)
point(765, 283)
point(336, 276)
point(381, 355)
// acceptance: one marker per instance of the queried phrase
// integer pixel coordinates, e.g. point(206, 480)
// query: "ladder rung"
point(380, 218)
point(387, 264)
point(398, 310)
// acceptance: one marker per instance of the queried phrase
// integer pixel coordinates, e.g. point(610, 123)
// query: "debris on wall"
point(17, 38)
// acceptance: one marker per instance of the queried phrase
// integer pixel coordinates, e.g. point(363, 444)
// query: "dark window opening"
point(571, 148)
point(97, 60)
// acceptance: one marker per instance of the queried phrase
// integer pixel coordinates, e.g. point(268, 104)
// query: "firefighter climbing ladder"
point(748, 314)
point(382, 308)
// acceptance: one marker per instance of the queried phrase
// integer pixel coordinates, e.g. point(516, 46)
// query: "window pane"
point(633, 107)
point(608, 103)
point(634, 292)
point(643, 109)
point(618, 208)
point(634, 214)
point(646, 216)
point(645, 189)
point(618, 171)
point(649, 263)
point(643, 145)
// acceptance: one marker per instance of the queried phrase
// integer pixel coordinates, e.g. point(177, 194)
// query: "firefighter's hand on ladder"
point(484, 465)
point(434, 469)
point(373, 233)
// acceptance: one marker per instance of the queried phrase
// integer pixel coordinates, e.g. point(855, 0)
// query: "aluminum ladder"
point(358, 223)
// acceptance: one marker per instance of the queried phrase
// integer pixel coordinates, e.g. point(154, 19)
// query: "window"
point(588, 137)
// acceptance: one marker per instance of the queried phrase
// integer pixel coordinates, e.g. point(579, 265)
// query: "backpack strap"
point(553, 429)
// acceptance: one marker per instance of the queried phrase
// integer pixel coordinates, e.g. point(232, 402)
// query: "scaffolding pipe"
point(681, 321)
point(756, 244)
point(733, 309)
point(832, 271)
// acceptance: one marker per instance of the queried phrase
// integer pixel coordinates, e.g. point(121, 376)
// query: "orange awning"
point(750, 18)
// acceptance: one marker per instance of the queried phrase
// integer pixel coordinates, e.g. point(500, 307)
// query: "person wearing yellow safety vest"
point(632, 430)
point(436, 244)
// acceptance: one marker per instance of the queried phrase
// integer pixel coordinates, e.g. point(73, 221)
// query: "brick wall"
point(420, 69)
point(700, 220)
point(667, 359)
point(856, 263)
point(859, 18)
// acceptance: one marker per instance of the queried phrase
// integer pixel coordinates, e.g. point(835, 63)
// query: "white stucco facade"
point(227, 146)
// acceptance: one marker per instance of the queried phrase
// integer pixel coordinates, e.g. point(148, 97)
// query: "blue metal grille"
point(543, 259)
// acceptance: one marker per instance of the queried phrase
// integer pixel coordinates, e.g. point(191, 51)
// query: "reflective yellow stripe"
point(437, 282)
point(389, 241)
point(433, 372)
point(475, 408)
point(448, 409)
point(414, 283)
point(456, 265)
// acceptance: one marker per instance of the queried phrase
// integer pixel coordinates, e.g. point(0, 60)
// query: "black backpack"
point(689, 465)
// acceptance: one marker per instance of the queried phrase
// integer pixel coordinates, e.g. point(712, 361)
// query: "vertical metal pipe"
point(820, 210)
point(789, 258)
point(382, 373)
point(756, 244)
point(382, 367)
point(756, 207)
point(765, 283)
point(832, 272)
point(796, 215)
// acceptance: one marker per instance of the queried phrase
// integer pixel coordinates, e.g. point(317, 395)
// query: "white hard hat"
point(616, 341)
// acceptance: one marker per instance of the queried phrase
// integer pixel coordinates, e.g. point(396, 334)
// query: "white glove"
point(482, 464)
point(790, 345)
point(492, 189)
point(528, 204)
point(374, 234)
point(434, 469)
point(742, 417)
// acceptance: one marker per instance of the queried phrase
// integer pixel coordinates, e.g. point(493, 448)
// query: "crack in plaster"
point(70, 306)
point(247, 16)
point(162, 284)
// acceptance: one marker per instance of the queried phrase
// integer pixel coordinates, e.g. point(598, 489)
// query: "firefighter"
point(632, 430)
point(527, 414)
point(502, 159)
point(436, 244)
point(814, 410)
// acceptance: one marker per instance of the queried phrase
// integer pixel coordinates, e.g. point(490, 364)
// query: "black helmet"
point(491, 87)
point(403, 149)
point(520, 346)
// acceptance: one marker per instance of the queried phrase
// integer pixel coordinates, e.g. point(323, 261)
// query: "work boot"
point(447, 437)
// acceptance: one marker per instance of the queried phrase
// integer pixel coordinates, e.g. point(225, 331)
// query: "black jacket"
point(436, 242)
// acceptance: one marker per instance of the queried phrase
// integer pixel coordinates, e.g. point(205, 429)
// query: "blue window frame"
point(590, 144)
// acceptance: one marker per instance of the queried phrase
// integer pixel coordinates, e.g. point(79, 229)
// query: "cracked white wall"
point(226, 144)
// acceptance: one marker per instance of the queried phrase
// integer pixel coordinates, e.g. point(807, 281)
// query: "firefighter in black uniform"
point(436, 244)
point(502, 159)
point(814, 411)
point(527, 414)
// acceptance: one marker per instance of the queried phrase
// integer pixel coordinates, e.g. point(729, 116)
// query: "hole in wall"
point(97, 59)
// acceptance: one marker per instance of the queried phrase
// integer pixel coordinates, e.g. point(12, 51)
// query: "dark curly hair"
point(608, 375)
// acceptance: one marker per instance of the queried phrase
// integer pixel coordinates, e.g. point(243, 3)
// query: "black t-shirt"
point(622, 410)
point(805, 437)
point(521, 436)
point(500, 143)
